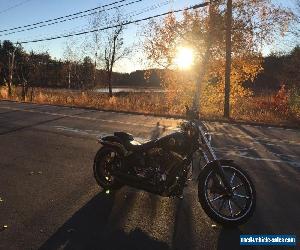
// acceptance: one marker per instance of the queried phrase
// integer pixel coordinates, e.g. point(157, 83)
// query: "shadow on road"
point(8, 112)
point(30, 126)
point(89, 228)
point(229, 238)
point(183, 230)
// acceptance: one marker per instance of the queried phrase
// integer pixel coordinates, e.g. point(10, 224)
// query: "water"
point(130, 90)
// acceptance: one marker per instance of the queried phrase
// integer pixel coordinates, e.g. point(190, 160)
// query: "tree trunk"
point(69, 76)
point(112, 61)
point(10, 73)
point(32, 94)
point(109, 83)
point(24, 85)
point(95, 70)
point(228, 60)
point(23, 91)
point(205, 60)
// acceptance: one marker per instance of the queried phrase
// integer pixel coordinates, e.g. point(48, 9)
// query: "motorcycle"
point(161, 166)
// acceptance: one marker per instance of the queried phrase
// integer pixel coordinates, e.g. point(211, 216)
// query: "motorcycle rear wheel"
point(103, 163)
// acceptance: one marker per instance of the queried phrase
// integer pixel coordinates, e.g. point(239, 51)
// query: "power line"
point(118, 25)
point(14, 6)
point(127, 16)
point(147, 9)
point(63, 17)
point(142, 11)
point(72, 18)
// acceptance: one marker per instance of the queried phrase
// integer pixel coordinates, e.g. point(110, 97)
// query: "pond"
point(130, 90)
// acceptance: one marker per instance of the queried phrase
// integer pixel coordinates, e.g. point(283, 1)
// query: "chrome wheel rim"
point(232, 206)
point(108, 162)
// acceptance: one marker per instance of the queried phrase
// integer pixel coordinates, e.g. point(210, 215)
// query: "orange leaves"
point(163, 39)
point(284, 106)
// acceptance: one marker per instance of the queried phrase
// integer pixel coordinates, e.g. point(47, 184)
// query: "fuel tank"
point(177, 142)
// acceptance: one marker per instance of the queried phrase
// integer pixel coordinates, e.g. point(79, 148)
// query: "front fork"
point(219, 170)
point(225, 181)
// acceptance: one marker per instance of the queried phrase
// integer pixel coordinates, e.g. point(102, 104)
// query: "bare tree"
point(297, 17)
point(71, 58)
point(110, 42)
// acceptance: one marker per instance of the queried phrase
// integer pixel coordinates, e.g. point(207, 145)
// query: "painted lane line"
point(171, 128)
point(83, 117)
point(96, 133)
point(234, 151)
point(246, 155)
point(266, 140)
point(81, 132)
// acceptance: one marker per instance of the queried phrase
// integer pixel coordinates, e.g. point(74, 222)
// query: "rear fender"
point(115, 143)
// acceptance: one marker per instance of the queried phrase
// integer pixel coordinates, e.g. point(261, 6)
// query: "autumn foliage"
point(255, 23)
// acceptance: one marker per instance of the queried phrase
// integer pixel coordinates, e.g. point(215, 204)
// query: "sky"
point(14, 13)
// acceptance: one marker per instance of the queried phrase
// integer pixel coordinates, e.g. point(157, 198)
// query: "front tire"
point(227, 209)
point(106, 159)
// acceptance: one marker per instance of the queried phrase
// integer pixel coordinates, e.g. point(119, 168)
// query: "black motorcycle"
point(162, 166)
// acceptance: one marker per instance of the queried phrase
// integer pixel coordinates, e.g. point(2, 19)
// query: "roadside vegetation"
point(281, 108)
point(262, 88)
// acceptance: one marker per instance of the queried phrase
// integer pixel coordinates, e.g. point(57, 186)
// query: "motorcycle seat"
point(140, 147)
point(133, 145)
point(124, 136)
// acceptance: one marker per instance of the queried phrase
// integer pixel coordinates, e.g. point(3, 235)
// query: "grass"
point(280, 109)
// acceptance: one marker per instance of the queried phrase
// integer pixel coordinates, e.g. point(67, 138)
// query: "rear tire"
point(103, 161)
point(221, 207)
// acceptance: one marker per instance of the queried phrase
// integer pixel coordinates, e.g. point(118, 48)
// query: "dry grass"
point(277, 109)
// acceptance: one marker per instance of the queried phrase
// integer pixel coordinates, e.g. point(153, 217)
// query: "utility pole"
point(228, 59)
point(11, 62)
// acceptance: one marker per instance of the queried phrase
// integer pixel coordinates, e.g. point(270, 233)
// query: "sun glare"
point(184, 58)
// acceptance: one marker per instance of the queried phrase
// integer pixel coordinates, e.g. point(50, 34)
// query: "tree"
point(9, 55)
point(23, 72)
point(71, 59)
point(228, 59)
point(87, 72)
point(291, 72)
point(295, 29)
point(109, 42)
point(255, 24)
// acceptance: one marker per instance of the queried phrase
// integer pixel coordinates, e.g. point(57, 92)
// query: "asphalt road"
point(49, 199)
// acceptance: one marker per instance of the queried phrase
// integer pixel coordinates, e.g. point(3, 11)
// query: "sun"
point(184, 58)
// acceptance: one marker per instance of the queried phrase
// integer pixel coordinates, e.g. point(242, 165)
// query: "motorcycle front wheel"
point(227, 208)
